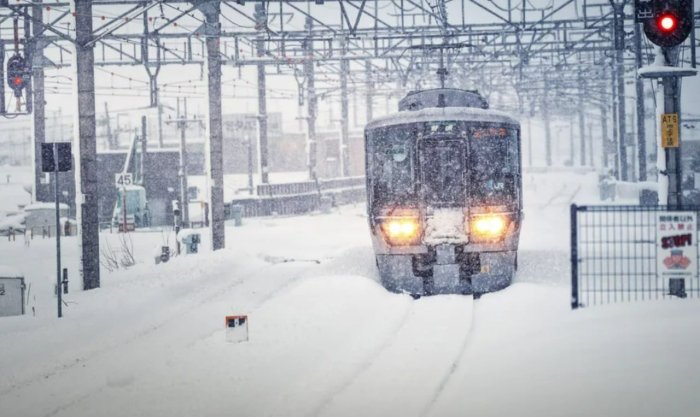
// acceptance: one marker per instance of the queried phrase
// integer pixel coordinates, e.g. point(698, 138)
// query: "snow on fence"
point(299, 197)
point(633, 253)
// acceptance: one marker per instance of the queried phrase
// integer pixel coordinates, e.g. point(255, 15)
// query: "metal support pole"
point(58, 234)
point(344, 114)
point(615, 135)
point(368, 93)
point(184, 200)
point(529, 142)
point(160, 124)
point(249, 143)
point(673, 155)
point(312, 99)
point(572, 148)
point(604, 142)
point(144, 149)
point(41, 192)
point(619, 32)
point(639, 87)
point(260, 20)
point(547, 131)
point(2, 78)
point(574, 257)
point(581, 119)
point(211, 11)
point(86, 167)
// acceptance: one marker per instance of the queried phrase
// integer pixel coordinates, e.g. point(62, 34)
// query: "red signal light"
point(667, 23)
point(18, 81)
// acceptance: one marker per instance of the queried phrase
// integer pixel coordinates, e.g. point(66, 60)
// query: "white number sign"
point(123, 179)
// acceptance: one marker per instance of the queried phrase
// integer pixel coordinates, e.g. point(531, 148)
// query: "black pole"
point(58, 232)
point(574, 258)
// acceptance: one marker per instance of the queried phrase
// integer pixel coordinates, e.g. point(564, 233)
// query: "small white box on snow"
point(236, 329)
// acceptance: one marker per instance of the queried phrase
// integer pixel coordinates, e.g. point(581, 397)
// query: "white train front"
point(444, 194)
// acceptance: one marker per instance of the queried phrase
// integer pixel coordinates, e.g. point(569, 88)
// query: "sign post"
point(667, 24)
point(123, 179)
point(56, 157)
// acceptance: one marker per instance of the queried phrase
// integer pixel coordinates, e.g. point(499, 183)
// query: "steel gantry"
point(554, 58)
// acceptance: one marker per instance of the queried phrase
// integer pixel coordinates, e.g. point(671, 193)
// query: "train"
point(444, 194)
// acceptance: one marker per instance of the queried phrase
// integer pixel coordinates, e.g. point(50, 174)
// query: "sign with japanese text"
point(669, 130)
point(676, 245)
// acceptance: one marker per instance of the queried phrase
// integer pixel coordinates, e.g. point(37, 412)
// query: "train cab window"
point(494, 164)
point(392, 156)
point(442, 168)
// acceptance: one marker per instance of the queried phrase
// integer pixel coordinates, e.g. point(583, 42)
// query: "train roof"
point(467, 114)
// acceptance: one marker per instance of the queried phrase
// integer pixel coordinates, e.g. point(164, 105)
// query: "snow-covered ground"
point(327, 340)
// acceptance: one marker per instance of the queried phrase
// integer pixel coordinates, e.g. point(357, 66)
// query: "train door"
point(441, 164)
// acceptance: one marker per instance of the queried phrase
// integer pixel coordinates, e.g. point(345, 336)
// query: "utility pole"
point(182, 123)
point(613, 106)
point(38, 43)
point(144, 149)
point(619, 36)
point(547, 131)
point(260, 23)
point(667, 25)
point(344, 128)
point(212, 11)
point(581, 118)
point(312, 99)
point(369, 91)
point(639, 88)
point(86, 169)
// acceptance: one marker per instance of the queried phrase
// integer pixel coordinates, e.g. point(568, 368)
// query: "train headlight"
point(488, 226)
point(401, 231)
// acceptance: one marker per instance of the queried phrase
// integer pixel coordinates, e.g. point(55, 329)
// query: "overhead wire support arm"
point(120, 21)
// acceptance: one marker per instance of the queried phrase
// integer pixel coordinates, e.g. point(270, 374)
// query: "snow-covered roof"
point(467, 114)
point(45, 206)
point(658, 71)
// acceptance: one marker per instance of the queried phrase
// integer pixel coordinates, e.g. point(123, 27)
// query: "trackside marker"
point(236, 329)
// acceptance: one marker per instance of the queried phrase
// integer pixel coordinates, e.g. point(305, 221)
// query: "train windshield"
point(392, 158)
point(493, 164)
point(442, 167)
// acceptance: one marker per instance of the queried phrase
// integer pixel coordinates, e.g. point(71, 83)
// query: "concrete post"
point(211, 11)
point(547, 130)
point(312, 99)
point(369, 92)
point(40, 191)
point(604, 142)
point(581, 119)
point(619, 33)
point(344, 114)
point(182, 125)
point(639, 87)
point(86, 166)
point(260, 19)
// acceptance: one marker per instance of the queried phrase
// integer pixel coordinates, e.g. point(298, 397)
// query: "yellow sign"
point(669, 130)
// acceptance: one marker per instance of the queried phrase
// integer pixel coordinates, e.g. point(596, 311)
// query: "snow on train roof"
point(469, 114)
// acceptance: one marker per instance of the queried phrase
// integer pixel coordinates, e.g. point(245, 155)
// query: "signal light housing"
point(16, 74)
point(671, 22)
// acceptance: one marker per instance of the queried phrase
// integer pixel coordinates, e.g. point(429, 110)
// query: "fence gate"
point(631, 253)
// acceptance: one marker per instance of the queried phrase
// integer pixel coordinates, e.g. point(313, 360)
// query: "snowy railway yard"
point(326, 339)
